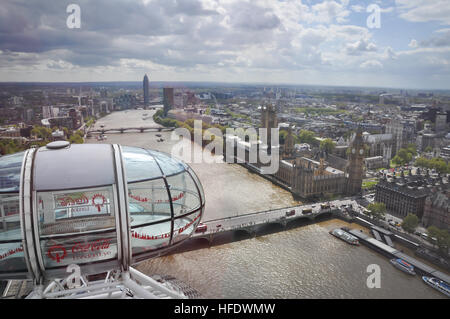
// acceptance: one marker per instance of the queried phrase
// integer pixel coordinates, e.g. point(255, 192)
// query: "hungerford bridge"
point(282, 216)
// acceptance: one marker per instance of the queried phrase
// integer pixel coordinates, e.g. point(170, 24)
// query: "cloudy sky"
point(325, 42)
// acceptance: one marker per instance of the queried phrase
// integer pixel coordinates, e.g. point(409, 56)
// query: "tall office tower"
point(146, 91)
point(356, 164)
point(168, 100)
point(441, 122)
point(47, 111)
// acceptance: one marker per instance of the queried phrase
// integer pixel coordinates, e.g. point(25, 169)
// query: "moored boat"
point(339, 233)
point(403, 266)
point(437, 284)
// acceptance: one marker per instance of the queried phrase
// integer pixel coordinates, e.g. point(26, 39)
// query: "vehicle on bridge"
point(201, 228)
point(307, 211)
point(101, 137)
point(290, 213)
point(325, 206)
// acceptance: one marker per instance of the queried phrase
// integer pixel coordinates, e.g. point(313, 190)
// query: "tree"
point(422, 162)
point(307, 137)
point(377, 210)
point(282, 136)
point(442, 238)
point(437, 163)
point(411, 148)
point(76, 139)
point(410, 223)
point(428, 149)
point(443, 241)
point(433, 231)
point(405, 155)
point(8, 146)
point(327, 145)
point(42, 132)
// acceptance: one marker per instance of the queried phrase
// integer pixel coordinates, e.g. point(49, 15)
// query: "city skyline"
point(326, 43)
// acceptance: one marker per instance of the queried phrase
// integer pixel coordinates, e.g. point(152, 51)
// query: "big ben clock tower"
point(355, 167)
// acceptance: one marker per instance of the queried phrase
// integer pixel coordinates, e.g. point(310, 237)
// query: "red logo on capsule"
point(57, 253)
point(98, 200)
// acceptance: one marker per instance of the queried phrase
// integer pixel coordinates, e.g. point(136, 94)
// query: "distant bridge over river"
point(141, 129)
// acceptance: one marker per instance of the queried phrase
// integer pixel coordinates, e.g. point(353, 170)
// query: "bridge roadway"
point(249, 222)
point(140, 129)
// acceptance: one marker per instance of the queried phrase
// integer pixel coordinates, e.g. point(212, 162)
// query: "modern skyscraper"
point(168, 100)
point(47, 111)
point(146, 91)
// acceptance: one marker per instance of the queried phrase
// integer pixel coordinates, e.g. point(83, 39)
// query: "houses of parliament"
point(313, 174)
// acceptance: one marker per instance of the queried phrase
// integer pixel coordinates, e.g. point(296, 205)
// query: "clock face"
point(361, 151)
point(353, 151)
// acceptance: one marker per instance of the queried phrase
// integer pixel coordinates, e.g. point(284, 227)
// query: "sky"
point(311, 42)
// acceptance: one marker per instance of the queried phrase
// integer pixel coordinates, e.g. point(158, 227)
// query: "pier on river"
point(391, 252)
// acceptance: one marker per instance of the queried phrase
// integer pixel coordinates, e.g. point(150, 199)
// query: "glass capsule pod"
point(100, 206)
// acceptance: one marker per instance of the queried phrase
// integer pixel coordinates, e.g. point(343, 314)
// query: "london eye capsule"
point(100, 206)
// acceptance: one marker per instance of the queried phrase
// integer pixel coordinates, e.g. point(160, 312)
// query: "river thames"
point(303, 262)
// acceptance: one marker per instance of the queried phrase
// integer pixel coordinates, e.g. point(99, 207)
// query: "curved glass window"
point(81, 249)
point(148, 202)
point(139, 164)
point(66, 214)
point(185, 196)
point(12, 258)
point(10, 166)
point(197, 182)
point(151, 237)
point(165, 208)
point(169, 165)
point(184, 226)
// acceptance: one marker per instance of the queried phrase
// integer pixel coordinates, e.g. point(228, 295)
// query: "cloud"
point(185, 34)
point(441, 39)
point(248, 16)
point(360, 46)
point(413, 44)
point(211, 39)
point(370, 64)
point(424, 10)
point(329, 11)
point(358, 8)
